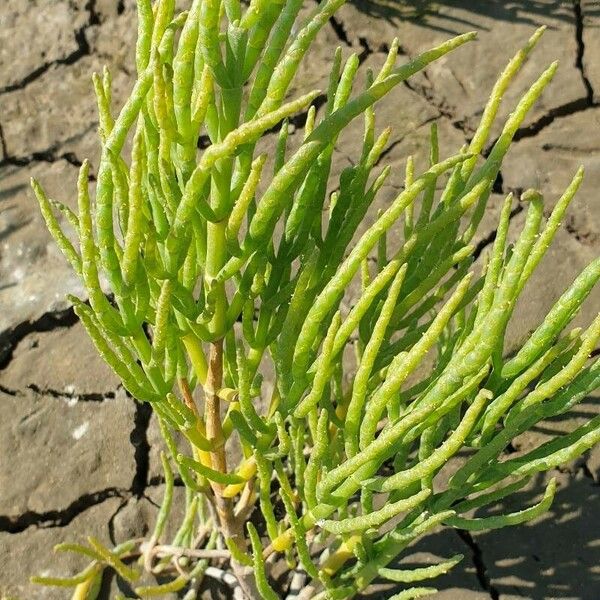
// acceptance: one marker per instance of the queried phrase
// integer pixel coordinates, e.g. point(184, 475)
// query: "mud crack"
point(49, 156)
point(395, 143)
point(3, 145)
point(340, 30)
point(443, 108)
point(87, 397)
point(60, 395)
point(559, 112)
point(579, 64)
point(587, 238)
point(9, 391)
point(58, 518)
point(139, 440)
point(111, 522)
point(158, 480)
point(477, 556)
point(83, 49)
point(10, 338)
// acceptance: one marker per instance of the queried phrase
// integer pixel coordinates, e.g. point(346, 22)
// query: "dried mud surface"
point(79, 457)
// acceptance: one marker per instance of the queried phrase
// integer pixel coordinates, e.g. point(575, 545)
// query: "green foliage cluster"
point(205, 263)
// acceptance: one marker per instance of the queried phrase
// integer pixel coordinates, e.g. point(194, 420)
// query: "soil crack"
point(444, 109)
point(48, 156)
point(477, 556)
point(158, 480)
point(58, 394)
point(83, 49)
point(395, 143)
point(3, 145)
point(570, 149)
point(579, 64)
point(111, 522)
point(9, 391)
point(366, 50)
point(587, 238)
point(69, 395)
point(340, 31)
point(49, 321)
point(58, 518)
point(139, 441)
point(559, 112)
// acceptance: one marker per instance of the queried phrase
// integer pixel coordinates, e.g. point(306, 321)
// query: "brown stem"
point(246, 504)
point(212, 410)
point(231, 527)
point(188, 397)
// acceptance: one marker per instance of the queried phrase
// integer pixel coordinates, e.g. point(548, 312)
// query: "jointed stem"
point(231, 527)
point(214, 431)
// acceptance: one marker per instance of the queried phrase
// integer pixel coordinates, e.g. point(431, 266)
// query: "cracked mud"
point(83, 456)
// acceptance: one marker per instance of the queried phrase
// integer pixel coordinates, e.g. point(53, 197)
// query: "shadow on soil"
point(466, 14)
point(557, 557)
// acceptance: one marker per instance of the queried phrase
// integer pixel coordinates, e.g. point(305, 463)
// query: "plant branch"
point(231, 527)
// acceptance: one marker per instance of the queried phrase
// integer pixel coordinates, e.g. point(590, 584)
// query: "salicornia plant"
point(206, 265)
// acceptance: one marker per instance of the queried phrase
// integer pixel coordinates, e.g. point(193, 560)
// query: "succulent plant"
point(207, 263)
